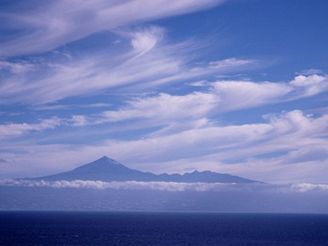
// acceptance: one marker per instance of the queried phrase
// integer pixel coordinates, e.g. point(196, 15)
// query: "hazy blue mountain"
point(107, 169)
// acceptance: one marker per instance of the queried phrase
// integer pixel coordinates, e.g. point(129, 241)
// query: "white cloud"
point(230, 62)
point(310, 85)
point(310, 153)
point(16, 129)
point(145, 40)
point(306, 187)
point(167, 186)
point(78, 120)
point(246, 94)
point(222, 96)
point(165, 107)
point(119, 185)
point(311, 71)
point(54, 24)
point(199, 83)
point(147, 64)
point(15, 67)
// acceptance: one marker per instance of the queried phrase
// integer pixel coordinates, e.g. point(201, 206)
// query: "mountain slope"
point(106, 169)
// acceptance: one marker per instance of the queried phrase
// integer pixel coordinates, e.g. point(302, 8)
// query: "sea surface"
point(127, 228)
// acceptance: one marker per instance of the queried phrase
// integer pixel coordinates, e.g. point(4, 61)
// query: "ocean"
point(128, 228)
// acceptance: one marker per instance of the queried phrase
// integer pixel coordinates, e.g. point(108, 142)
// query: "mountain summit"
point(107, 169)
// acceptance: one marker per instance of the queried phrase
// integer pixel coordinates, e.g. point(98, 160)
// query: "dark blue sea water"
point(101, 228)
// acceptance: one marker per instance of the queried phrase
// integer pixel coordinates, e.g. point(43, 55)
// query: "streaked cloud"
point(165, 107)
point(54, 24)
point(222, 96)
point(16, 129)
point(146, 63)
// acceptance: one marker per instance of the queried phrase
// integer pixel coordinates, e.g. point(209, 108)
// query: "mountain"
point(106, 169)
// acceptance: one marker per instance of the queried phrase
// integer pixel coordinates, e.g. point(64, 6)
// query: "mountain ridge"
point(107, 169)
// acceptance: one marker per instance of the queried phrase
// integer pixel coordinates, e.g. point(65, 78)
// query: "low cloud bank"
point(165, 186)
point(304, 187)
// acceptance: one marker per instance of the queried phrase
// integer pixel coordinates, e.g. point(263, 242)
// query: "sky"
point(235, 86)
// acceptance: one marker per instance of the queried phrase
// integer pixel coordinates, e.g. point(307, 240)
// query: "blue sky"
point(235, 86)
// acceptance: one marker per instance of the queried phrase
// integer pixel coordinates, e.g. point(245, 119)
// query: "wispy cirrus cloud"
point(169, 111)
point(12, 130)
point(165, 107)
point(143, 41)
point(206, 140)
point(15, 67)
point(54, 24)
point(147, 63)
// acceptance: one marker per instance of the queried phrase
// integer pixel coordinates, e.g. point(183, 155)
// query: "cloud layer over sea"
point(166, 186)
